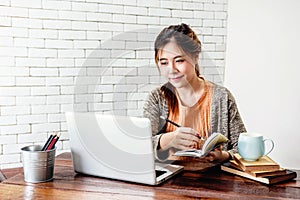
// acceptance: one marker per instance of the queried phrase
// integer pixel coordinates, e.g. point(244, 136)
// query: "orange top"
point(197, 116)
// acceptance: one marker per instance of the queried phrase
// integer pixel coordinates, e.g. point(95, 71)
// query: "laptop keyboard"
point(159, 172)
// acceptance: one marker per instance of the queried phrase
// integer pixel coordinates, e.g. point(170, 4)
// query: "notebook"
point(116, 147)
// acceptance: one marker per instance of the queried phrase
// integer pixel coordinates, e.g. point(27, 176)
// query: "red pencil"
point(53, 142)
point(48, 141)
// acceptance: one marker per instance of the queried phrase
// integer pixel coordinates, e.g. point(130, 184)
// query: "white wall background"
point(88, 55)
point(263, 68)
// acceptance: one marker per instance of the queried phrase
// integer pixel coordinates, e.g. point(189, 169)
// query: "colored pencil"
point(177, 125)
point(53, 142)
point(48, 141)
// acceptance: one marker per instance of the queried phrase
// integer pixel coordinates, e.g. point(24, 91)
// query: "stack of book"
point(264, 170)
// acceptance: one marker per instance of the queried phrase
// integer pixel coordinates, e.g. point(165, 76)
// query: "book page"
point(212, 141)
point(191, 152)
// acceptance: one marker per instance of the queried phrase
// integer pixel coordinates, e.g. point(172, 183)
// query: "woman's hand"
point(183, 138)
point(217, 155)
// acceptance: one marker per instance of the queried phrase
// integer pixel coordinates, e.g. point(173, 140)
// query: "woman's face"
point(176, 65)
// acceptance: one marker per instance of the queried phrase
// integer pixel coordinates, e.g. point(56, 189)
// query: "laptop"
point(115, 147)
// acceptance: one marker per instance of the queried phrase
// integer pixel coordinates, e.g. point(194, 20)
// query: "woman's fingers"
point(188, 134)
point(186, 144)
point(185, 138)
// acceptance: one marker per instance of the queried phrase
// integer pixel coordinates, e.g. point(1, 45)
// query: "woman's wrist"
point(165, 141)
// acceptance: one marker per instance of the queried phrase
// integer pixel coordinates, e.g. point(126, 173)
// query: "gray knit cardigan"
point(225, 118)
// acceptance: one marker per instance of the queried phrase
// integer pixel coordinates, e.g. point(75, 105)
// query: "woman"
point(199, 106)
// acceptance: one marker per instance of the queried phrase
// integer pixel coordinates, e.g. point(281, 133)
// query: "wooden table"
point(208, 184)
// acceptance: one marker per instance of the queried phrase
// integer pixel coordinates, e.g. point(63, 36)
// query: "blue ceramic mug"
point(251, 146)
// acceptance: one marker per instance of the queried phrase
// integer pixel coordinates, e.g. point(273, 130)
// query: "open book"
point(212, 142)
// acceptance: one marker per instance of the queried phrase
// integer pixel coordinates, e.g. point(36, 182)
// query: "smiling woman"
point(199, 106)
point(176, 66)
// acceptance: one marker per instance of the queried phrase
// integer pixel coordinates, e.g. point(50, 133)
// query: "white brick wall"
point(58, 56)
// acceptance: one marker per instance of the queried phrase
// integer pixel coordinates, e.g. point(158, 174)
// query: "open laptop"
point(116, 147)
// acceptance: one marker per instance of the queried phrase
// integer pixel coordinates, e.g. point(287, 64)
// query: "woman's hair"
point(187, 40)
point(184, 37)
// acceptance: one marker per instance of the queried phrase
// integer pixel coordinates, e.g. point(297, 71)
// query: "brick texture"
point(97, 56)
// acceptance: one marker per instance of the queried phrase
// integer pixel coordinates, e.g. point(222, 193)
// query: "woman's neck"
point(191, 94)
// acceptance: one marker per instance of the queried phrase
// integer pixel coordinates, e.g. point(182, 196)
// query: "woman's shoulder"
point(156, 100)
point(156, 95)
point(156, 92)
point(217, 88)
point(221, 92)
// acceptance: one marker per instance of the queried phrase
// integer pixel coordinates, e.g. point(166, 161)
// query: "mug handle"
point(271, 147)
